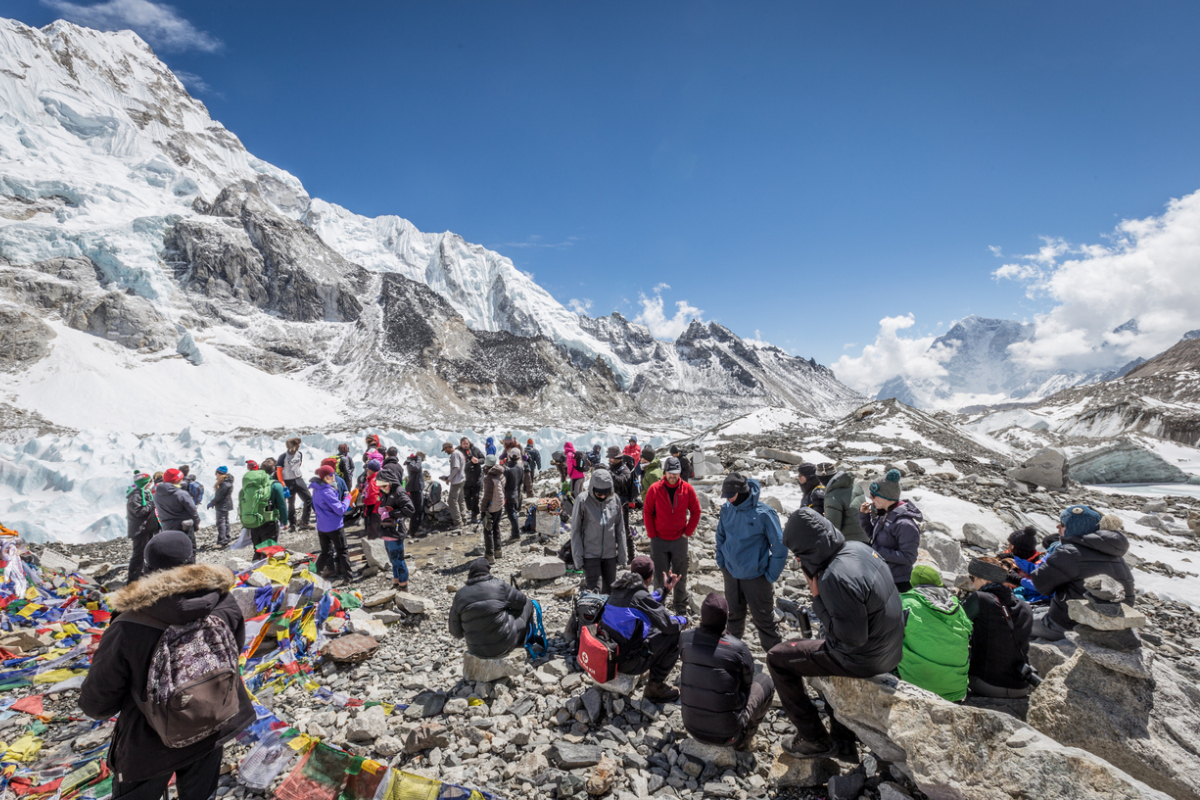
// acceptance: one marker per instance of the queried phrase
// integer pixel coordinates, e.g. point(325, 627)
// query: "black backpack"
point(581, 462)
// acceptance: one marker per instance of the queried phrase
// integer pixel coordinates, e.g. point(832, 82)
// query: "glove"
point(209, 504)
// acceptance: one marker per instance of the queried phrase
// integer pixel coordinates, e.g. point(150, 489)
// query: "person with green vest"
point(651, 471)
point(937, 637)
point(843, 496)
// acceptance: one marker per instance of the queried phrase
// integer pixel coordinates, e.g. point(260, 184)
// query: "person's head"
point(983, 571)
point(1079, 520)
point(268, 465)
point(343, 448)
point(672, 471)
point(648, 455)
point(251, 465)
point(596, 448)
point(141, 480)
point(886, 493)
point(529, 442)
point(614, 455)
point(1111, 522)
point(735, 488)
point(293, 444)
point(325, 473)
point(1024, 542)
point(372, 440)
point(222, 471)
point(464, 443)
point(447, 448)
point(633, 439)
point(479, 567)
point(167, 550)
point(172, 476)
point(330, 462)
point(602, 485)
point(490, 459)
point(393, 452)
point(158, 478)
point(643, 567)
point(514, 454)
point(185, 469)
point(714, 613)
point(808, 473)
point(420, 454)
point(925, 575)
point(374, 466)
point(674, 450)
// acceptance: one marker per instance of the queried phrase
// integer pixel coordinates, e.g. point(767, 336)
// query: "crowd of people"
point(855, 542)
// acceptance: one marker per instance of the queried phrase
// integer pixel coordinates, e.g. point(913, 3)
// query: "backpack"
point(196, 490)
point(597, 655)
point(535, 635)
point(254, 499)
point(435, 493)
point(530, 524)
point(581, 462)
point(193, 682)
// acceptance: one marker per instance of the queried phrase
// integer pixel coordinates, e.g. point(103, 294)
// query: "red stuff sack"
point(597, 656)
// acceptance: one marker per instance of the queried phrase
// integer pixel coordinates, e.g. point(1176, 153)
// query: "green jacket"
point(937, 642)
point(279, 502)
point(842, 499)
point(650, 476)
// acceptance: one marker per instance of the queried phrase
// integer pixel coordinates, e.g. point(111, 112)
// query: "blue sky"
point(800, 170)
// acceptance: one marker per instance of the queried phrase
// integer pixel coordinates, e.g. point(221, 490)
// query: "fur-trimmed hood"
point(190, 579)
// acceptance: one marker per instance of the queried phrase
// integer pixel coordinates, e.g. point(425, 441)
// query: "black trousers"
point(510, 511)
point(268, 530)
point(599, 574)
point(196, 781)
point(296, 488)
point(491, 533)
point(762, 691)
point(789, 664)
point(758, 596)
point(671, 556)
point(471, 494)
point(137, 556)
point(333, 552)
point(418, 501)
point(659, 655)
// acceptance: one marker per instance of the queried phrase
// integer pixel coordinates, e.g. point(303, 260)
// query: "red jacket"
point(634, 450)
point(666, 520)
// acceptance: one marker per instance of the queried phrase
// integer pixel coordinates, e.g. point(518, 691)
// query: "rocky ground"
point(546, 731)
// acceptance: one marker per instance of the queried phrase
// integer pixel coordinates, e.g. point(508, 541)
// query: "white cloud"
point(890, 356)
point(1147, 271)
point(581, 307)
point(194, 83)
point(661, 326)
point(537, 240)
point(157, 23)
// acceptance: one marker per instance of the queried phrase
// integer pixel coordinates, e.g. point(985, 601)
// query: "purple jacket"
point(329, 509)
point(895, 537)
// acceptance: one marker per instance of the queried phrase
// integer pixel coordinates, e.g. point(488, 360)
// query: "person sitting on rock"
point(723, 700)
point(937, 637)
point(648, 637)
point(855, 598)
point(1022, 551)
point(1001, 626)
point(893, 526)
point(1088, 548)
point(491, 615)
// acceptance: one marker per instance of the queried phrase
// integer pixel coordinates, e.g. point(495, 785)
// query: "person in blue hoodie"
point(490, 448)
point(647, 635)
point(893, 526)
point(751, 555)
point(331, 530)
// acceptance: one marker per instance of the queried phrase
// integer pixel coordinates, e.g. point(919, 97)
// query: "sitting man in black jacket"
point(723, 700)
point(173, 592)
point(855, 598)
point(647, 635)
point(1091, 545)
point(490, 614)
point(1001, 623)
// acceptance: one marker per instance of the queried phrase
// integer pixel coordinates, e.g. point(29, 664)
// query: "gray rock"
point(1154, 507)
point(1125, 462)
point(622, 684)
point(1047, 468)
point(772, 454)
point(376, 555)
point(1104, 588)
point(892, 791)
point(486, 670)
point(388, 746)
point(592, 701)
point(944, 552)
point(980, 536)
point(543, 568)
point(24, 338)
point(774, 503)
point(787, 771)
point(565, 755)
point(721, 757)
point(369, 725)
point(846, 787)
point(411, 603)
point(426, 736)
point(1105, 616)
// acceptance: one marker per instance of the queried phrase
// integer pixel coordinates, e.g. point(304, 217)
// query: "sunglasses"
point(602, 495)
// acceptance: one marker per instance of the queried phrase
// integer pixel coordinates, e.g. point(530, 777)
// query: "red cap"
point(252, 465)
point(324, 471)
point(172, 475)
point(329, 462)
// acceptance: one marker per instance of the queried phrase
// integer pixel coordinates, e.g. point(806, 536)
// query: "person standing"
point(399, 507)
point(893, 526)
point(473, 459)
point(414, 467)
point(141, 523)
point(598, 534)
point(576, 464)
point(685, 463)
point(651, 471)
point(222, 503)
point(291, 473)
point(671, 514)
point(534, 456)
point(634, 450)
point(345, 465)
point(276, 504)
point(625, 488)
point(842, 500)
point(492, 505)
point(331, 530)
point(370, 496)
point(514, 474)
point(457, 480)
point(176, 511)
point(751, 556)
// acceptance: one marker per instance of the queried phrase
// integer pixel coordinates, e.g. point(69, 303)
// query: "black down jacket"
point(857, 601)
point(1078, 558)
point(487, 613)
point(714, 684)
point(1002, 624)
point(121, 663)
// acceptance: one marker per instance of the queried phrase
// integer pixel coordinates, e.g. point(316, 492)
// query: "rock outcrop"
point(1046, 468)
point(1125, 462)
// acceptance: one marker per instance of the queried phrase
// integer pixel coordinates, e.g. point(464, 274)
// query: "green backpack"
point(254, 499)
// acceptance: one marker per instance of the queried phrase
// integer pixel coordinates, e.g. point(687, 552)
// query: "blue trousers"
point(395, 551)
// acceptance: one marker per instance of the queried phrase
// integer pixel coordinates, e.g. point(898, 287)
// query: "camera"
point(1030, 675)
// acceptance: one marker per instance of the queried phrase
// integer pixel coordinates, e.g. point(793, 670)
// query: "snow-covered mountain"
point(980, 369)
point(201, 275)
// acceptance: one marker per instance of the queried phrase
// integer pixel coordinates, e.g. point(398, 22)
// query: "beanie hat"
point(222, 470)
point(648, 454)
point(1079, 520)
point(614, 452)
point(733, 485)
point(373, 466)
point(674, 450)
point(329, 462)
point(324, 471)
point(173, 476)
point(168, 549)
point(633, 439)
point(1024, 543)
point(642, 565)
point(889, 487)
point(490, 459)
point(251, 465)
point(672, 466)
point(529, 441)
point(1111, 522)
point(987, 571)
point(808, 470)
point(140, 480)
point(714, 612)
point(925, 575)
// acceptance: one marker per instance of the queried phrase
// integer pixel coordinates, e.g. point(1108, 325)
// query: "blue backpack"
point(196, 490)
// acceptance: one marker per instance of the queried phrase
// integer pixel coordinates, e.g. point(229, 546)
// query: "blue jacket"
point(328, 507)
point(632, 614)
point(750, 539)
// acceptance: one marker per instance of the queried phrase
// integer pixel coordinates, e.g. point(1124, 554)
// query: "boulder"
point(369, 725)
point(943, 552)
point(565, 755)
point(426, 736)
point(1046, 468)
point(622, 684)
point(411, 603)
point(351, 649)
point(1105, 588)
point(980, 536)
point(1147, 727)
point(787, 771)
point(380, 599)
point(774, 503)
point(601, 777)
point(543, 568)
point(771, 454)
point(720, 757)
point(375, 553)
point(955, 752)
point(244, 597)
point(486, 670)
point(1105, 616)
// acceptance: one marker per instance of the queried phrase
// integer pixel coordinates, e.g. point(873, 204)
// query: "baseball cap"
point(673, 466)
point(734, 485)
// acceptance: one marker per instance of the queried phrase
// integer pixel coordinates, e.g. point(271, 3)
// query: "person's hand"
point(669, 581)
point(812, 586)
point(865, 508)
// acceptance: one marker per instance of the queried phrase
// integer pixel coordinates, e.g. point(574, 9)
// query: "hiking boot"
point(659, 692)
point(797, 747)
point(474, 520)
point(747, 744)
point(499, 554)
point(491, 559)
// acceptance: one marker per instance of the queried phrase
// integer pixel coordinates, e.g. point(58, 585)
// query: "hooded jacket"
point(896, 536)
point(291, 466)
point(174, 506)
point(1078, 558)
point(598, 529)
point(813, 495)
point(223, 493)
point(493, 490)
point(414, 469)
point(329, 509)
point(651, 474)
point(1002, 625)
point(937, 642)
point(487, 613)
point(669, 519)
point(392, 471)
point(400, 507)
point(633, 614)
point(122, 660)
point(490, 446)
point(714, 684)
point(856, 601)
point(842, 499)
point(534, 456)
point(634, 451)
point(750, 539)
point(139, 511)
point(623, 482)
point(474, 470)
point(514, 474)
point(573, 472)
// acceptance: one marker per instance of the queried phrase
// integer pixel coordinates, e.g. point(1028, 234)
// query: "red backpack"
point(597, 655)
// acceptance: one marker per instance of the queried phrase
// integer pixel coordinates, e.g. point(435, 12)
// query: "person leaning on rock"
point(856, 601)
point(491, 615)
point(647, 635)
